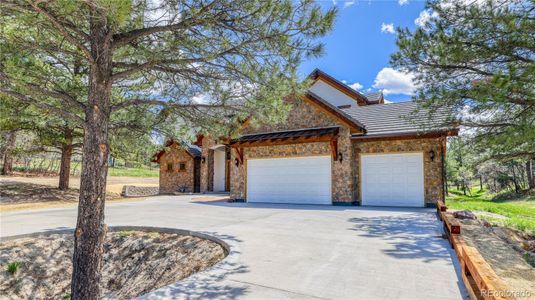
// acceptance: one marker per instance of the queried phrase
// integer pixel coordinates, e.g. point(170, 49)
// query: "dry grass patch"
point(16, 195)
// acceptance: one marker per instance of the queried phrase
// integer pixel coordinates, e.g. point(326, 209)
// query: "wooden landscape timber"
point(480, 280)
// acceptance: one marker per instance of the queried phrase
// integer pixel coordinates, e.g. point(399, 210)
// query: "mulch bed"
point(134, 263)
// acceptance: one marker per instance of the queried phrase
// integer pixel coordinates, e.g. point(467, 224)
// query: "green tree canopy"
point(478, 57)
point(239, 56)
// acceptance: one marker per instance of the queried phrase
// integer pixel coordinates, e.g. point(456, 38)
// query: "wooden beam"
point(479, 278)
point(270, 142)
point(239, 154)
point(484, 277)
point(334, 148)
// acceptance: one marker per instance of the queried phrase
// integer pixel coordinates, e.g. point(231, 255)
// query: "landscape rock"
point(464, 215)
point(530, 246)
point(485, 223)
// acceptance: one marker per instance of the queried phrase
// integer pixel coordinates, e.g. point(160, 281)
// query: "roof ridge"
point(379, 105)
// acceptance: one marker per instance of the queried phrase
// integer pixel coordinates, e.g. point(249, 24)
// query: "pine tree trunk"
point(90, 228)
point(66, 155)
point(529, 172)
point(480, 182)
point(517, 188)
point(11, 140)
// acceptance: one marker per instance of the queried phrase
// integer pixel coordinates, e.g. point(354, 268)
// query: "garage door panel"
point(289, 180)
point(392, 179)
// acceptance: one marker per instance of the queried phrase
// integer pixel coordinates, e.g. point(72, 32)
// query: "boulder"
point(464, 215)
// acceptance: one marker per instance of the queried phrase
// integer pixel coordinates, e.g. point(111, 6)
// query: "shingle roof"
point(374, 97)
point(194, 150)
point(399, 118)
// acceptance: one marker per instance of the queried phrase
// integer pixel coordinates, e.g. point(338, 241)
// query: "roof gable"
point(192, 150)
point(338, 86)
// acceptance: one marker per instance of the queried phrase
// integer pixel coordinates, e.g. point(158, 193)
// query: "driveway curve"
point(290, 251)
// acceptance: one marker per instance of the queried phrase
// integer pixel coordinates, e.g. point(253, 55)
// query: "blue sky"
point(359, 47)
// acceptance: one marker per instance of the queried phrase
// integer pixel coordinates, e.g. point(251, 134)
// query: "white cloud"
point(424, 17)
point(387, 101)
point(387, 28)
point(394, 82)
point(356, 86)
point(348, 3)
point(201, 99)
point(403, 2)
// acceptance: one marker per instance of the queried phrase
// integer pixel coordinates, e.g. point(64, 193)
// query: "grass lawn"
point(133, 172)
point(518, 210)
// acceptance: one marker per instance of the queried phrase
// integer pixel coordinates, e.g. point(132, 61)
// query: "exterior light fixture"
point(340, 157)
point(236, 162)
point(432, 155)
point(203, 159)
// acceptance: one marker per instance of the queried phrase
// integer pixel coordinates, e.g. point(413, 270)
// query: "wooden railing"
point(480, 280)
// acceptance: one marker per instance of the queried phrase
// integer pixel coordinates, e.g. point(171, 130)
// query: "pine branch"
point(42, 105)
point(125, 38)
point(161, 103)
point(61, 28)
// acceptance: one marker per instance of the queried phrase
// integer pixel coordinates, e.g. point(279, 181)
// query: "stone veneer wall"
point(433, 184)
point(172, 181)
point(303, 115)
point(207, 168)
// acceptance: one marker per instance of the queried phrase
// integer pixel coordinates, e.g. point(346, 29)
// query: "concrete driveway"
point(291, 251)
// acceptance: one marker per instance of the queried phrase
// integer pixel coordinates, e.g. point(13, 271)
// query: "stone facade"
point(345, 170)
point(207, 164)
point(176, 180)
point(433, 184)
point(303, 115)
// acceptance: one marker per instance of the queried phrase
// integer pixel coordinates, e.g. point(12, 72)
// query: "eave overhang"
point(298, 136)
point(406, 135)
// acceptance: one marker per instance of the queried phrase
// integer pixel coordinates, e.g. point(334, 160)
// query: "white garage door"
point(301, 180)
point(393, 180)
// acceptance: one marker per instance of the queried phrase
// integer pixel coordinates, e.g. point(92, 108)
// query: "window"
point(169, 167)
point(182, 166)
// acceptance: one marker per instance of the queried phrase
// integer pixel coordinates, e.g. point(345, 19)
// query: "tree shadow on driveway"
point(411, 235)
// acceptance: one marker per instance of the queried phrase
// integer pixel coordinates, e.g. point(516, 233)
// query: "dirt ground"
point(114, 183)
point(18, 192)
point(501, 255)
point(134, 263)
